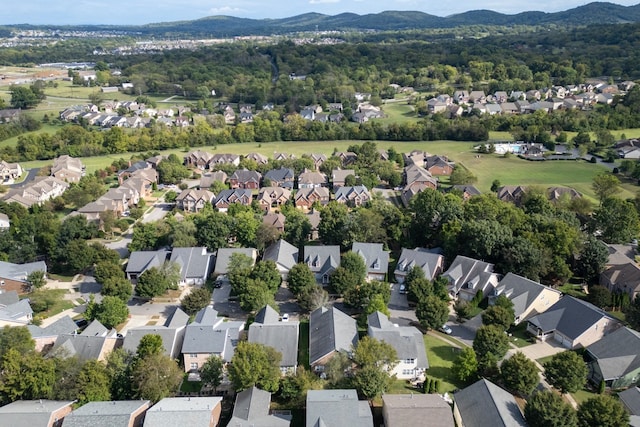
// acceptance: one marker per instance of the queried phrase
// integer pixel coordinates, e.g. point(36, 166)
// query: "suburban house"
point(468, 276)
point(36, 192)
point(528, 297)
point(352, 196)
point(438, 165)
point(311, 179)
point(67, 168)
point(511, 193)
point(283, 177)
point(13, 310)
point(223, 159)
point(615, 359)
point(622, 273)
point(485, 404)
point(45, 337)
point(120, 413)
point(337, 408)
point(346, 157)
point(194, 263)
point(227, 197)
point(172, 334)
point(92, 211)
point(430, 262)
point(243, 178)
point(209, 335)
point(338, 177)
point(400, 410)
point(94, 343)
point(275, 219)
point(630, 399)
point(376, 259)
point(406, 340)
point(467, 191)
point(35, 413)
point(260, 159)
point(13, 277)
point(252, 409)
point(207, 179)
point(198, 159)
point(273, 197)
point(223, 257)
point(557, 194)
point(318, 159)
point(314, 220)
point(410, 191)
point(268, 329)
point(572, 322)
point(192, 200)
point(187, 411)
point(284, 255)
point(322, 260)
point(9, 171)
point(330, 331)
point(141, 261)
point(416, 175)
point(306, 197)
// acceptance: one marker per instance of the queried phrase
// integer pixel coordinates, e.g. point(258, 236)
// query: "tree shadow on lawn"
point(441, 369)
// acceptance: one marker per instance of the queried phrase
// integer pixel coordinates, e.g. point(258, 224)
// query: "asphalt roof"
point(427, 261)
point(485, 404)
point(104, 414)
point(375, 257)
point(337, 408)
point(330, 330)
point(322, 259)
point(617, 353)
point(9, 270)
point(30, 413)
point(408, 341)
point(193, 262)
point(186, 411)
point(521, 291)
point(282, 253)
point(223, 257)
point(402, 410)
point(631, 400)
point(283, 336)
point(251, 409)
point(569, 316)
point(64, 325)
point(140, 261)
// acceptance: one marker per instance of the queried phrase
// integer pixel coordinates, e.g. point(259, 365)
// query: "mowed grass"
point(441, 357)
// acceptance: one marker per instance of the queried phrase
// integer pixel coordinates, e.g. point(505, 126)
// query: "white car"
point(285, 317)
point(446, 329)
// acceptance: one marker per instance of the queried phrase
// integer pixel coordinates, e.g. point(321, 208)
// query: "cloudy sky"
point(61, 12)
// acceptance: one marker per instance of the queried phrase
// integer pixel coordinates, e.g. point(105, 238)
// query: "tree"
point(171, 170)
point(267, 272)
point(495, 185)
point(111, 311)
point(155, 377)
point(17, 338)
point(461, 176)
point(119, 365)
point(499, 316)
point(149, 344)
point(592, 259)
point(22, 97)
point(566, 371)
point(547, 409)
point(211, 371)
point(293, 388)
point(118, 287)
point(465, 366)
point(602, 411)
point(156, 281)
point(93, 383)
point(313, 298)
point(519, 374)
point(336, 368)
point(333, 219)
point(266, 234)
point(239, 271)
point(106, 269)
point(25, 376)
point(297, 227)
point(371, 382)
point(432, 312)
point(255, 364)
point(196, 300)
point(490, 340)
point(617, 221)
point(600, 296)
point(300, 278)
point(350, 274)
point(605, 185)
point(37, 279)
point(373, 353)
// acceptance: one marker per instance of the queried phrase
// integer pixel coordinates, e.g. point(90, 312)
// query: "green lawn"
point(190, 386)
point(544, 360)
point(582, 395)
point(398, 112)
point(60, 277)
point(519, 336)
point(303, 344)
point(441, 356)
point(49, 302)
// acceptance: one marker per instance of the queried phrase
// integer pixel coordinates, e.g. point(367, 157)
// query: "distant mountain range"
point(592, 13)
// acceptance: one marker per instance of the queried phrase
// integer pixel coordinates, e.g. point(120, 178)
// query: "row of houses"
point(138, 115)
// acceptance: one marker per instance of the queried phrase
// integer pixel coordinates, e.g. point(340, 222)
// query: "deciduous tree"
point(196, 300)
point(155, 377)
point(519, 374)
point(566, 371)
point(255, 364)
point(432, 312)
point(465, 366)
point(211, 371)
point(547, 409)
point(602, 411)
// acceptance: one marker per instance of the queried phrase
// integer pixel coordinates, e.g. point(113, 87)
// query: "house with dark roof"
point(228, 197)
point(438, 165)
point(330, 331)
point(121, 413)
point(275, 219)
point(94, 343)
point(207, 179)
point(528, 297)
point(35, 413)
point(209, 335)
point(283, 177)
point(223, 257)
point(615, 359)
point(630, 399)
point(468, 191)
point(318, 159)
point(186, 411)
point(430, 262)
point(511, 193)
point(352, 196)
point(557, 194)
point(243, 178)
point(376, 259)
point(141, 261)
point(260, 159)
point(400, 410)
point(572, 322)
point(268, 329)
point(45, 337)
point(322, 260)
point(171, 333)
point(622, 278)
point(485, 404)
point(337, 408)
point(223, 159)
point(14, 311)
point(468, 276)
point(194, 263)
point(252, 409)
point(306, 197)
point(416, 175)
point(284, 255)
point(408, 342)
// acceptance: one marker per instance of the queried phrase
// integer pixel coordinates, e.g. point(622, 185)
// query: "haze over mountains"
point(592, 13)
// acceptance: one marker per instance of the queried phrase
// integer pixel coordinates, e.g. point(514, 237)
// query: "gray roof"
point(406, 340)
point(80, 346)
point(140, 261)
point(223, 256)
point(282, 336)
point(569, 316)
point(337, 408)
point(267, 315)
point(64, 325)
point(631, 400)
point(375, 257)
point(282, 253)
point(521, 291)
point(330, 330)
point(186, 411)
point(16, 311)
point(322, 259)
point(9, 270)
point(485, 404)
point(8, 298)
point(104, 414)
point(210, 334)
point(464, 270)
point(232, 196)
point(172, 334)
point(31, 413)
point(280, 175)
point(413, 409)
point(193, 262)
point(429, 262)
point(350, 192)
point(251, 409)
point(617, 353)
point(623, 276)
point(95, 329)
point(341, 174)
point(621, 254)
point(244, 175)
point(468, 189)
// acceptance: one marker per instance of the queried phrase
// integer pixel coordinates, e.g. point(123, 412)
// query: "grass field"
point(441, 356)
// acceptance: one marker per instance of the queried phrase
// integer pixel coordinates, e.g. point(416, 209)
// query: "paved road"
point(31, 175)
point(399, 310)
point(159, 211)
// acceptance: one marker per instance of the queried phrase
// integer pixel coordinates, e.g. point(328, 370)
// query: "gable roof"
point(569, 316)
point(16, 312)
point(413, 409)
point(485, 404)
point(341, 174)
point(408, 341)
point(333, 408)
point(31, 413)
point(624, 276)
point(64, 325)
point(349, 193)
point(420, 257)
point(617, 353)
point(521, 291)
point(193, 262)
point(140, 261)
point(233, 196)
point(330, 330)
point(631, 400)
point(322, 259)
point(105, 414)
point(280, 175)
point(465, 270)
point(375, 257)
point(244, 175)
point(283, 336)
point(187, 411)
point(282, 253)
point(172, 334)
point(223, 257)
point(251, 409)
point(19, 272)
point(210, 334)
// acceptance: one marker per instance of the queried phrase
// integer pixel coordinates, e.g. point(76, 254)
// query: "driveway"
point(540, 349)
point(31, 174)
point(159, 211)
point(399, 310)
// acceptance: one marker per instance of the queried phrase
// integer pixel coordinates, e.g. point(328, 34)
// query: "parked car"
point(285, 317)
point(446, 329)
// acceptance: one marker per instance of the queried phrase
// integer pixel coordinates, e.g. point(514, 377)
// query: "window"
point(410, 361)
point(194, 365)
point(192, 355)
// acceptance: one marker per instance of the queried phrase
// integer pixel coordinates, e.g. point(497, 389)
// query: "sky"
point(138, 12)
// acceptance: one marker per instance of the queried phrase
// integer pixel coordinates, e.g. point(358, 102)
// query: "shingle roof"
point(186, 411)
point(322, 259)
point(251, 409)
point(280, 175)
point(406, 340)
point(617, 353)
point(64, 325)
point(521, 291)
point(330, 330)
point(485, 404)
point(16, 312)
point(283, 336)
point(630, 398)
point(193, 262)
point(172, 334)
point(429, 262)
point(9, 270)
point(465, 270)
point(402, 410)
point(337, 408)
point(212, 335)
point(104, 414)
point(569, 316)
point(223, 257)
point(375, 257)
point(30, 413)
point(282, 253)
point(140, 261)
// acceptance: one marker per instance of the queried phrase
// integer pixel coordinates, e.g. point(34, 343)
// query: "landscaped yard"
point(519, 336)
point(49, 302)
point(441, 356)
point(190, 386)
